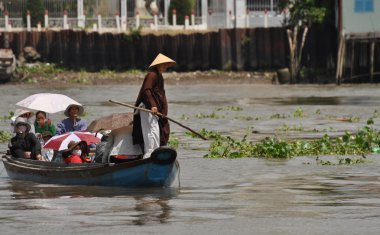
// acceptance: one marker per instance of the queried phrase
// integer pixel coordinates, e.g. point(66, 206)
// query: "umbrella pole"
point(160, 115)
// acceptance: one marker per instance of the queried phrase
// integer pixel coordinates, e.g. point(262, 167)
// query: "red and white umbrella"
point(60, 142)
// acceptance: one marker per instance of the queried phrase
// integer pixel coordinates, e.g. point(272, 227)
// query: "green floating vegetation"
point(173, 141)
point(349, 144)
point(286, 128)
point(5, 136)
point(376, 114)
point(277, 116)
point(230, 108)
point(7, 117)
point(343, 161)
point(213, 115)
point(299, 113)
point(246, 118)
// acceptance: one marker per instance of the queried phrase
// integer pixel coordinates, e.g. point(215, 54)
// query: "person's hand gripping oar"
point(160, 115)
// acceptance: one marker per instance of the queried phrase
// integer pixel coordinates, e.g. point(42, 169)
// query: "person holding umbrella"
point(42, 124)
point(149, 130)
point(72, 122)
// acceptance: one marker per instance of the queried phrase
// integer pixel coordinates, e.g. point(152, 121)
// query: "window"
point(363, 6)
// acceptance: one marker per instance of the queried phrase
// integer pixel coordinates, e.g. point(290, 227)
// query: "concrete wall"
point(360, 22)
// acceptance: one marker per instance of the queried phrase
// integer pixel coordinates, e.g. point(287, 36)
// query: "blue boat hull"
point(157, 171)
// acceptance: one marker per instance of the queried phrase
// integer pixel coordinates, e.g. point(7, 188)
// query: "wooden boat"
point(157, 171)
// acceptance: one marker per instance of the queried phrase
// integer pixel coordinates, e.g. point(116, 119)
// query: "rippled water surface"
point(216, 196)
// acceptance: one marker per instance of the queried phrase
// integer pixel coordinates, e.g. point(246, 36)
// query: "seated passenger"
point(42, 123)
point(24, 113)
point(73, 122)
point(24, 144)
point(120, 147)
point(101, 146)
point(47, 154)
point(74, 153)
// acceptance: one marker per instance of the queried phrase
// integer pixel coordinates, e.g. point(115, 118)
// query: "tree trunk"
point(295, 52)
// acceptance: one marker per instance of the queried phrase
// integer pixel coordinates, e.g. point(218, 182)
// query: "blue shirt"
point(67, 125)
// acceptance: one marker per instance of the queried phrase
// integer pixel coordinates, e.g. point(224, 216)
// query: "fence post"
point(204, 12)
point(186, 22)
point(46, 19)
point(166, 11)
point(81, 23)
point(117, 18)
point(174, 17)
point(39, 26)
point(155, 22)
point(210, 18)
point(28, 26)
point(232, 20)
point(65, 24)
point(6, 16)
point(99, 22)
point(137, 19)
point(265, 18)
point(247, 18)
point(192, 17)
point(124, 15)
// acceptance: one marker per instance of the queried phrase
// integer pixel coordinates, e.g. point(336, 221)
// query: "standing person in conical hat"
point(149, 130)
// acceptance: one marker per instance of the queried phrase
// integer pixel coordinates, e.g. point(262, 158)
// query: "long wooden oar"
point(159, 114)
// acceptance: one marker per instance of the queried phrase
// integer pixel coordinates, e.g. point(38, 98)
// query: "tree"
point(302, 15)
point(183, 8)
point(36, 9)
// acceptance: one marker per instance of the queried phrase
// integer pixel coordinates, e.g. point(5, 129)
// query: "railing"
point(262, 5)
point(217, 17)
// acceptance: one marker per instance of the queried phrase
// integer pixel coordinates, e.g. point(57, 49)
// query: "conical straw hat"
point(162, 59)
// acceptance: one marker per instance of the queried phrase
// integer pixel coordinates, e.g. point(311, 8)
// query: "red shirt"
point(73, 159)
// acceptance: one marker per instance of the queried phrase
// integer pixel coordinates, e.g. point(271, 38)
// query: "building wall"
point(358, 18)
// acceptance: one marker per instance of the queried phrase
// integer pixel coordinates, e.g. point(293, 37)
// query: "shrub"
point(183, 8)
point(36, 9)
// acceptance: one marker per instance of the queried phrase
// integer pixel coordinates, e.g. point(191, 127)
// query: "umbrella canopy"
point(47, 102)
point(60, 142)
point(111, 122)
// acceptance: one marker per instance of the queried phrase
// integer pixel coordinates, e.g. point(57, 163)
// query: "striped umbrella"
point(60, 142)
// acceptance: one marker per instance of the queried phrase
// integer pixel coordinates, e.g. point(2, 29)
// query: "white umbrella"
point(47, 102)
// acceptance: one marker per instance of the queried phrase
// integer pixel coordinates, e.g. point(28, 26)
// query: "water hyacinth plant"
point(5, 136)
point(358, 143)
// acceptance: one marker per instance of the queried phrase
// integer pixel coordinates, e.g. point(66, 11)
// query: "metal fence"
point(262, 5)
point(107, 8)
point(217, 16)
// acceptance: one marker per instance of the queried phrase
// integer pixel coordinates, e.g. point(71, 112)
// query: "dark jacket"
point(25, 142)
point(152, 94)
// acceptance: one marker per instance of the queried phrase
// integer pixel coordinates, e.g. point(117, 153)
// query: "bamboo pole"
point(352, 59)
point(339, 58)
point(372, 60)
point(343, 60)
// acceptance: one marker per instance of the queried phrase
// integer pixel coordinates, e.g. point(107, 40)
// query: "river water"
point(216, 196)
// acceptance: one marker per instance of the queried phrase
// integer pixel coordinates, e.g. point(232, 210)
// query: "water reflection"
point(142, 205)
point(151, 210)
point(29, 190)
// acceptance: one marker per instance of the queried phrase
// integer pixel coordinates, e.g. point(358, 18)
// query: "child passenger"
point(74, 153)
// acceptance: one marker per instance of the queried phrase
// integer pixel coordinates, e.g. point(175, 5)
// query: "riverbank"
point(46, 75)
